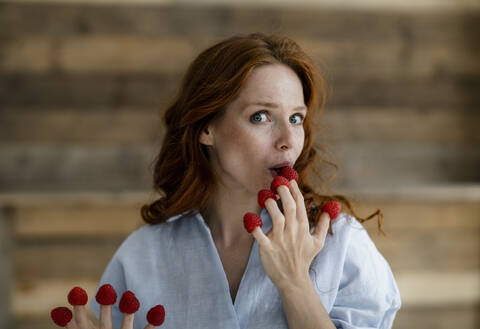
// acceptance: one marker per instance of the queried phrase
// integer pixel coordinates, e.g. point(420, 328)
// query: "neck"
point(224, 216)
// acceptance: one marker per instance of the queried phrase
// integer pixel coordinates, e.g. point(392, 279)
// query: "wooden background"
point(83, 89)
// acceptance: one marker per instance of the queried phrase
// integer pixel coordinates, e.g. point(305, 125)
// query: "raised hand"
point(287, 250)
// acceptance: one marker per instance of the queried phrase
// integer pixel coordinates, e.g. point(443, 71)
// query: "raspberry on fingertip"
point(277, 181)
point(264, 195)
point(61, 316)
point(77, 296)
point(129, 303)
point(333, 209)
point(106, 295)
point(251, 221)
point(156, 315)
point(289, 173)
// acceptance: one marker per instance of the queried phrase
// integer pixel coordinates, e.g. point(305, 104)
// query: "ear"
point(206, 137)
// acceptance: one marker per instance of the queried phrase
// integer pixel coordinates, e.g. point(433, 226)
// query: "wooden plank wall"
point(82, 90)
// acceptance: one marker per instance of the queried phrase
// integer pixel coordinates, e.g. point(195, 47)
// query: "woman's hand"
point(62, 316)
point(287, 250)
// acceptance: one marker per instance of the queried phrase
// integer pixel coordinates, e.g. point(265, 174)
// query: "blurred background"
point(83, 87)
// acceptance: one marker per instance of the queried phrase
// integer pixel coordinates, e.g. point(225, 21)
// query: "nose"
point(285, 137)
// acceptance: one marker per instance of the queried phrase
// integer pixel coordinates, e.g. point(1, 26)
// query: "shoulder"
point(153, 237)
point(365, 269)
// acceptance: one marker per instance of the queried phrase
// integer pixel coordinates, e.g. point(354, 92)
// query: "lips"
point(275, 169)
point(282, 164)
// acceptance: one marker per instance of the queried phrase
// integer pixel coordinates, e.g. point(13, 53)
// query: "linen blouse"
point(176, 264)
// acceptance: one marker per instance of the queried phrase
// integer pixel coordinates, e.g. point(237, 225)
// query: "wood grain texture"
point(132, 125)
point(7, 244)
point(83, 87)
point(25, 167)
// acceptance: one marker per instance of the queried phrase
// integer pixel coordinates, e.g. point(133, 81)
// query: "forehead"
point(272, 82)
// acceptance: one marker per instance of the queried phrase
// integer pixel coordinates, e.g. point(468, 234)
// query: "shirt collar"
point(264, 215)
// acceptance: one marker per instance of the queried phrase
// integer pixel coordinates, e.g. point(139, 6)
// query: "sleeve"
point(368, 296)
point(114, 275)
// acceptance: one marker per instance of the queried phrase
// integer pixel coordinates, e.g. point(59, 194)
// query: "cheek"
point(301, 140)
point(236, 146)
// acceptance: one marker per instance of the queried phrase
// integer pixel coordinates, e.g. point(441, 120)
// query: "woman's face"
point(250, 138)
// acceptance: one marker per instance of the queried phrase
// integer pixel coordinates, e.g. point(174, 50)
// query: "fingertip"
point(326, 216)
point(127, 321)
point(268, 201)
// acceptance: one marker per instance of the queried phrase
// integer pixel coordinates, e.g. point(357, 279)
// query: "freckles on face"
point(246, 147)
point(240, 149)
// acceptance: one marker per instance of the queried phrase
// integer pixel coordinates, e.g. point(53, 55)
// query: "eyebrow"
point(273, 105)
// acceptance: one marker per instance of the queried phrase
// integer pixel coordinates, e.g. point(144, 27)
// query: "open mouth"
point(275, 171)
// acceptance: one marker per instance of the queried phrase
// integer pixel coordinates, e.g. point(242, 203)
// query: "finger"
point(149, 326)
point(91, 324)
point(302, 216)
point(261, 238)
point(278, 220)
point(105, 316)
point(71, 325)
point(127, 322)
point(81, 317)
point(321, 229)
point(289, 209)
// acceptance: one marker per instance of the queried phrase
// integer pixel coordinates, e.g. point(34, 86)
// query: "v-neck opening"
point(241, 305)
point(235, 302)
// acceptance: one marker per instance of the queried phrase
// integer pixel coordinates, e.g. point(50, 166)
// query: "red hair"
point(182, 172)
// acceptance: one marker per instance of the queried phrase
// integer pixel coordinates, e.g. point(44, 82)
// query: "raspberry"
point(263, 195)
point(106, 295)
point(77, 296)
point(277, 181)
point(129, 303)
point(156, 315)
point(333, 208)
point(289, 173)
point(61, 316)
point(250, 221)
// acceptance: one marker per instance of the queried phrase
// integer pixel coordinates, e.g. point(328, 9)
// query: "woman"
point(246, 106)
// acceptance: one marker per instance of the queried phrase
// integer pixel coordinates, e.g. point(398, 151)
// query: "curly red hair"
point(182, 172)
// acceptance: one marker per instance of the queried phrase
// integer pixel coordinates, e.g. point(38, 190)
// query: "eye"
point(257, 117)
point(302, 118)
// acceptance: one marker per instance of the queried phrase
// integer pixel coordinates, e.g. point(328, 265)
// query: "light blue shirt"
point(176, 264)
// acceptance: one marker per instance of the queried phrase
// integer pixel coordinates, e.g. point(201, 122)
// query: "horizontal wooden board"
point(47, 168)
point(80, 217)
point(63, 257)
point(86, 90)
point(437, 193)
point(79, 220)
point(112, 90)
point(145, 125)
point(438, 317)
point(189, 19)
point(399, 164)
point(81, 239)
point(100, 126)
point(26, 167)
point(66, 125)
point(416, 124)
point(121, 54)
point(38, 297)
point(440, 249)
point(392, 5)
